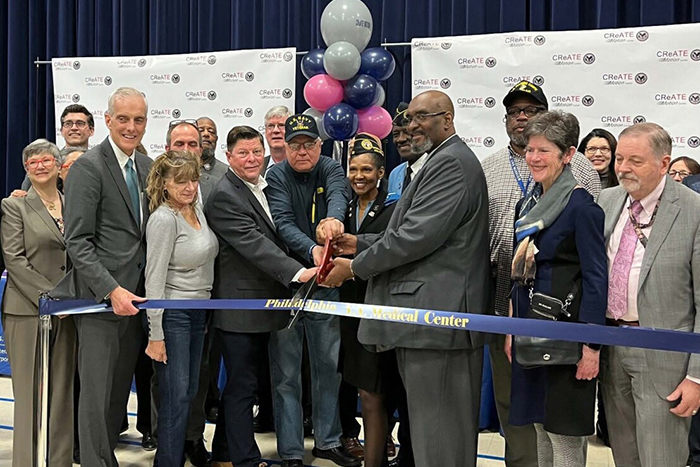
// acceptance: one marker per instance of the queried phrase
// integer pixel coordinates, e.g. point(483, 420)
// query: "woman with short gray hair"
point(560, 273)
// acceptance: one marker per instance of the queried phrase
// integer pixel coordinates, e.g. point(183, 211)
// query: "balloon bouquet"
point(343, 87)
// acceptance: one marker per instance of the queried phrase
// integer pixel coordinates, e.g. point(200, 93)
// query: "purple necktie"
point(622, 265)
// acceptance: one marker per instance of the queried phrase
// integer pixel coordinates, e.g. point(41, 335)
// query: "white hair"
point(278, 111)
point(121, 93)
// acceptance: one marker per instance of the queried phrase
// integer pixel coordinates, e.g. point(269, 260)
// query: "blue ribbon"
point(646, 338)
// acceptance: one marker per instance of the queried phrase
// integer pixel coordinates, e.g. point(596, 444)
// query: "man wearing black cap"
point(508, 179)
point(402, 174)
point(307, 191)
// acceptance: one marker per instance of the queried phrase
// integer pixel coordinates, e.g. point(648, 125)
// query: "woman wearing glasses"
point(683, 166)
point(35, 256)
point(599, 147)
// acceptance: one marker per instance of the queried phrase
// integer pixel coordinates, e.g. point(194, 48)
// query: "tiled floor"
point(130, 454)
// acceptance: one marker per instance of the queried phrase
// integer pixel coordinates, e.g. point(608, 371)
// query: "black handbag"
point(533, 352)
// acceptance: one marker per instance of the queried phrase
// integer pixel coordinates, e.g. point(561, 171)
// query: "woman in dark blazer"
point(566, 227)
point(35, 256)
point(372, 373)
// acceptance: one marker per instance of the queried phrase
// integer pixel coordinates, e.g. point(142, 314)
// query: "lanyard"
point(638, 227)
point(516, 173)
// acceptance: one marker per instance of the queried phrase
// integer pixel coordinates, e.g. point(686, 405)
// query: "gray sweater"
point(179, 261)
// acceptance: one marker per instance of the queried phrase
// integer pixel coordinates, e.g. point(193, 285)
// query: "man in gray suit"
point(105, 219)
point(434, 254)
point(652, 227)
point(184, 135)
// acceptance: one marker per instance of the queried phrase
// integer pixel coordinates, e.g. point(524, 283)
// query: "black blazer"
point(375, 222)
point(252, 261)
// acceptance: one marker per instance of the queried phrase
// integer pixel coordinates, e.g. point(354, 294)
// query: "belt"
point(619, 322)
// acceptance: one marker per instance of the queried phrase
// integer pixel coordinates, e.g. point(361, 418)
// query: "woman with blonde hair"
point(179, 264)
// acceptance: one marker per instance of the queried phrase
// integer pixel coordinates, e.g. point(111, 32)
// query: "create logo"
point(426, 83)
point(672, 98)
point(76, 98)
point(566, 100)
point(211, 59)
point(479, 141)
point(694, 98)
point(445, 45)
point(98, 114)
point(616, 121)
point(619, 36)
point(524, 40)
point(288, 56)
point(235, 112)
point(130, 63)
point(200, 95)
point(176, 113)
point(63, 65)
point(538, 80)
point(511, 80)
point(639, 119)
point(642, 36)
point(76, 65)
point(475, 102)
point(200, 60)
point(694, 142)
point(156, 148)
point(163, 113)
point(287, 93)
point(428, 45)
point(273, 57)
point(491, 62)
point(618, 79)
point(445, 83)
point(640, 78)
point(476, 62)
point(211, 95)
point(490, 102)
point(175, 79)
point(250, 76)
point(108, 80)
point(65, 98)
point(97, 80)
point(248, 112)
point(164, 78)
point(695, 55)
point(589, 58)
point(587, 100)
point(270, 93)
point(235, 76)
point(673, 55)
point(142, 63)
point(540, 40)
point(575, 58)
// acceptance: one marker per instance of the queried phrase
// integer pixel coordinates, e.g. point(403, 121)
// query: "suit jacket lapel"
point(613, 214)
point(377, 206)
point(117, 174)
point(238, 183)
point(665, 217)
point(35, 203)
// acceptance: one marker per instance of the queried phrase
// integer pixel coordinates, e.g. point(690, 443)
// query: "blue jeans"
point(178, 381)
point(286, 346)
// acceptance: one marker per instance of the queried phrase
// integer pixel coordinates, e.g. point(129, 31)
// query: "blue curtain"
point(44, 29)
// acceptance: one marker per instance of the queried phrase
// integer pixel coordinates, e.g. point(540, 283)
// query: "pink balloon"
point(322, 92)
point(375, 120)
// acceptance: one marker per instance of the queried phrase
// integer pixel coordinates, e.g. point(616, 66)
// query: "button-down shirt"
point(417, 165)
point(649, 203)
point(123, 158)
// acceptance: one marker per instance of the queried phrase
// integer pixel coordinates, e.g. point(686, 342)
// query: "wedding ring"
point(694, 412)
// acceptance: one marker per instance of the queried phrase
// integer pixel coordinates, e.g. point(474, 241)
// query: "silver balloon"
point(342, 60)
point(381, 96)
point(348, 21)
point(318, 116)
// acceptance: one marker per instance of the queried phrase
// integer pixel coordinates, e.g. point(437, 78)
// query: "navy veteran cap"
point(300, 124)
point(525, 88)
point(400, 115)
point(364, 143)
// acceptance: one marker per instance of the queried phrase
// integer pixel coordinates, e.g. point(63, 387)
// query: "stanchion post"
point(42, 413)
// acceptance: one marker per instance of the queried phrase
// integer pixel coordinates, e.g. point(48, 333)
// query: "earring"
point(165, 194)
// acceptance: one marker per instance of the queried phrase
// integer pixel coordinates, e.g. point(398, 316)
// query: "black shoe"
point(197, 453)
point(293, 463)
point(338, 455)
point(308, 427)
point(148, 442)
point(76, 454)
point(263, 424)
point(212, 414)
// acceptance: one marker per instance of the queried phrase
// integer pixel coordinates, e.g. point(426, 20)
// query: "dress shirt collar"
point(418, 164)
point(260, 186)
point(650, 200)
point(121, 155)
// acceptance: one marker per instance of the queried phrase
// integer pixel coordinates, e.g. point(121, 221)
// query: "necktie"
point(133, 187)
point(622, 265)
point(406, 178)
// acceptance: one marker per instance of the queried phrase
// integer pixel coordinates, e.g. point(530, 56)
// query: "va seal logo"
point(540, 40)
point(142, 63)
point(587, 100)
point(211, 59)
point(489, 142)
point(76, 98)
point(588, 59)
point(694, 141)
point(250, 76)
point(491, 62)
point(287, 93)
point(76, 65)
point(248, 112)
point(211, 95)
point(538, 80)
point(176, 113)
point(694, 98)
point(639, 119)
point(175, 78)
point(695, 55)
point(445, 83)
point(446, 45)
point(642, 36)
point(108, 80)
point(640, 78)
point(287, 56)
point(490, 102)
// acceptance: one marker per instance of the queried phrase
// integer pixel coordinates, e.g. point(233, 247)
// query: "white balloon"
point(347, 20)
point(318, 116)
point(342, 60)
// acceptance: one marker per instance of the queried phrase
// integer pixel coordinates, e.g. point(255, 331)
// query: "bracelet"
point(351, 271)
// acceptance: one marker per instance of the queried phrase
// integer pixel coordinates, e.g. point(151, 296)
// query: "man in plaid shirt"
point(508, 180)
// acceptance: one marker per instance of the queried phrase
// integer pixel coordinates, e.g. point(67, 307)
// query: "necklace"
point(51, 205)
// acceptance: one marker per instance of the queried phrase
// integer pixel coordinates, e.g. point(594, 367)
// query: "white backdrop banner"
point(232, 88)
point(609, 79)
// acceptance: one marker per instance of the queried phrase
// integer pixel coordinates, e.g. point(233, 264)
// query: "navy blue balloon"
point(312, 63)
point(341, 122)
point(361, 91)
point(378, 63)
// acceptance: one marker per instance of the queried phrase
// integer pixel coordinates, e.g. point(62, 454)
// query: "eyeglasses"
point(69, 124)
point(529, 111)
point(681, 173)
point(188, 121)
point(67, 165)
point(420, 117)
point(47, 162)
point(592, 150)
point(309, 145)
point(273, 126)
